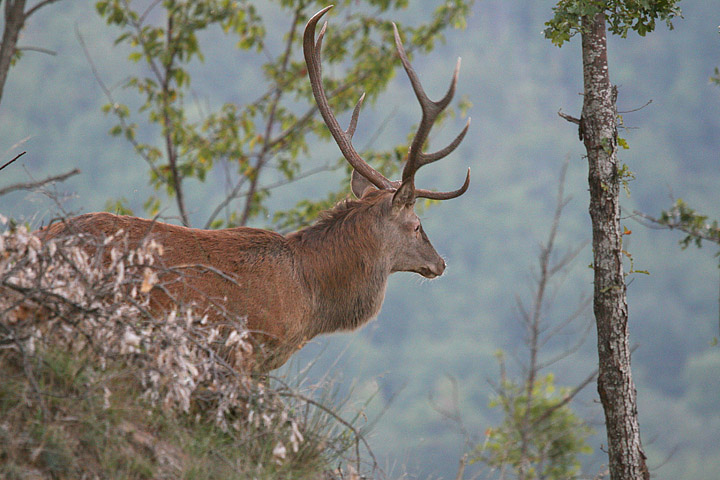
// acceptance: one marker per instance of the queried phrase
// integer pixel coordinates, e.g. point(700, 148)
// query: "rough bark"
point(14, 21)
point(598, 129)
point(15, 18)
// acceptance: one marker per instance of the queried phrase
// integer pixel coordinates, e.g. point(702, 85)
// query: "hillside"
point(95, 386)
point(451, 327)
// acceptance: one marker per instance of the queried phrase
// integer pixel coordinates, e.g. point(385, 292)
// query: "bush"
point(98, 386)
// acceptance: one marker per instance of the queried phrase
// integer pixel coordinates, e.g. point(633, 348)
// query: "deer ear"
point(360, 185)
point(404, 195)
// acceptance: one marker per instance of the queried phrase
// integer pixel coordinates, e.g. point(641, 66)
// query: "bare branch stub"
point(569, 118)
point(11, 161)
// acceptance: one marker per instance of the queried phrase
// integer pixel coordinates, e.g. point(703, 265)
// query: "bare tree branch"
point(11, 161)
point(37, 49)
point(111, 99)
point(569, 118)
point(38, 7)
point(636, 109)
point(270, 124)
point(40, 183)
point(236, 193)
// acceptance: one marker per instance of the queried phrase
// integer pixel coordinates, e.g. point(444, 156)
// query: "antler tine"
point(311, 50)
point(432, 195)
point(353, 121)
point(430, 111)
point(425, 158)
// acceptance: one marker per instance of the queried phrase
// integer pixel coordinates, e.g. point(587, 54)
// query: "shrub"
point(96, 383)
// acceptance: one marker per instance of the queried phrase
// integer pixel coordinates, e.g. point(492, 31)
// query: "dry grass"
point(94, 386)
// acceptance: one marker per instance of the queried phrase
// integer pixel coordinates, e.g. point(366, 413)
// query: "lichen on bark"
point(599, 133)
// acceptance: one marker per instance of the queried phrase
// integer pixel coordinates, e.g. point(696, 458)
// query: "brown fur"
point(327, 277)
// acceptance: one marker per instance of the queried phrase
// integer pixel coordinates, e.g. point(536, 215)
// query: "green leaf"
point(622, 16)
point(234, 135)
point(118, 207)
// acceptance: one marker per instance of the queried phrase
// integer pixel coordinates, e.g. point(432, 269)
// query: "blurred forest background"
point(429, 361)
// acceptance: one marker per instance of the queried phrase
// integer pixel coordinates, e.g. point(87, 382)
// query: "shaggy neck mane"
point(342, 265)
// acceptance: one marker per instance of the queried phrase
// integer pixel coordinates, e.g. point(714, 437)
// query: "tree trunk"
point(14, 20)
point(598, 129)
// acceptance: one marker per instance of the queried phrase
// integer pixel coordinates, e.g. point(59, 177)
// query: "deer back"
point(235, 273)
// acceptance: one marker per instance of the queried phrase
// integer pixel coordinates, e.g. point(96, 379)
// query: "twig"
point(171, 148)
point(452, 413)
point(576, 346)
point(11, 161)
point(667, 458)
point(359, 438)
point(569, 118)
point(270, 124)
point(675, 226)
point(235, 194)
point(33, 382)
point(111, 99)
point(28, 371)
point(40, 183)
point(147, 11)
point(637, 109)
point(15, 18)
point(38, 7)
point(38, 49)
point(546, 414)
point(461, 467)
point(572, 394)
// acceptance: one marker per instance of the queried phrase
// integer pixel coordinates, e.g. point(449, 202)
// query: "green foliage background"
point(555, 445)
point(517, 81)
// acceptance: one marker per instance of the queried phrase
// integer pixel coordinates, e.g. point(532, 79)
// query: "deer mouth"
point(427, 273)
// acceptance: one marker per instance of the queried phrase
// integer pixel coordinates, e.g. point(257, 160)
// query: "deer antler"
point(343, 138)
point(430, 111)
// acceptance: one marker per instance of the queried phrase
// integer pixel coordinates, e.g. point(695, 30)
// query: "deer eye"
point(417, 227)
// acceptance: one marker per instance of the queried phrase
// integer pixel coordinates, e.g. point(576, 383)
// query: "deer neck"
point(345, 275)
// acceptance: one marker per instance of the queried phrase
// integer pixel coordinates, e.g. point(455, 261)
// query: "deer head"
point(408, 245)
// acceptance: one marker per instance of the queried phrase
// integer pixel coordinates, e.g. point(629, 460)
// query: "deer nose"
point(439, 267)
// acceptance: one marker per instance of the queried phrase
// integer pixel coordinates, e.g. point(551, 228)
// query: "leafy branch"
point(622, 17)
point(264, 138)
point(681, 217)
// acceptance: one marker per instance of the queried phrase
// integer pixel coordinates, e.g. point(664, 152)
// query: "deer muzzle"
point(432, 271)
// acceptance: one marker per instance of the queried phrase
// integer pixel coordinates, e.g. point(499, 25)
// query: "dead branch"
point(569, 118)
point(11, 161)
point(39, 183)
point(31, 48)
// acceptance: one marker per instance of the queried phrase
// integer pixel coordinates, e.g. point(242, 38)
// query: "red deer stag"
point(327, 277)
